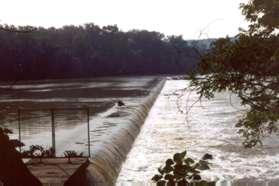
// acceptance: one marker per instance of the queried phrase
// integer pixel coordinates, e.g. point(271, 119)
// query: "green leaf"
point(180, 170)
point(182, 183)
point(169, 177)
point(178, 157)
point(167, 169)
point(203, 165)
point(156, 178)
point(161, 183)
point(160, 170)
point(207, 157)
point(183, 154)
point(196, 177)
point(169, 162)
point(189, 161)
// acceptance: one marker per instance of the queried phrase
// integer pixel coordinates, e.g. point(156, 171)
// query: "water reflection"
point(35, 126)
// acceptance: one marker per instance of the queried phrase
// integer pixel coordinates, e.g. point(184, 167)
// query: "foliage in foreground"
point(38, 151)
point(182, 170)
point(248, 66)
point(72, 154)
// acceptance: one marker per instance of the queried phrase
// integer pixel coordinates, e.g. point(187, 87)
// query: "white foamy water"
point(207, 128)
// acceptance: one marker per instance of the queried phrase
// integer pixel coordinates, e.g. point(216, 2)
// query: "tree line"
point(90, 51)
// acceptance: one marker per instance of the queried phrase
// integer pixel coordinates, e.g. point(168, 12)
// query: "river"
point(177, 122)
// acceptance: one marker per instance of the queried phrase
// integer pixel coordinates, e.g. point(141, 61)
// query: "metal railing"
point(53, 126)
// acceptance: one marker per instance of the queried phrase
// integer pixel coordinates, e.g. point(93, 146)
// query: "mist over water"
point(203, 127)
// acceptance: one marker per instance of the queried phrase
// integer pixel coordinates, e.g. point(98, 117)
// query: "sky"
point(194, 19)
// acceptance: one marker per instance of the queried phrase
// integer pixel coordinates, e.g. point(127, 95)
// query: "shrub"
point(182, 170)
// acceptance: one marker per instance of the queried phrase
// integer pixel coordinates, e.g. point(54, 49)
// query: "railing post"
point(53, 131)
point(88, 131)
point(19, 127)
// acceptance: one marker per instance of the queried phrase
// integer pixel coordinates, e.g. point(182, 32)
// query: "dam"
point(113, 127)
point(129, 142)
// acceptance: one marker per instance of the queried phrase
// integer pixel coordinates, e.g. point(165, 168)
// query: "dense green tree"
point(263, 15)
point(90, 51)
point(248, 66)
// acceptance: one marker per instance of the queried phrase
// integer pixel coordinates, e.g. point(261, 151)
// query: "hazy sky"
point(215, 18)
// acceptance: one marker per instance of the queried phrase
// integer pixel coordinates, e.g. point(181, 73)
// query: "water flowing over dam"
point(109, 151)
point(178, 122)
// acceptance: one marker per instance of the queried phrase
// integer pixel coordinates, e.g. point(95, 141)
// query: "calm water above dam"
point(206, 127)
point(35, 99)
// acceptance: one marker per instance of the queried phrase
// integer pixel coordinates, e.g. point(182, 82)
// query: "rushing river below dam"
point(178, 122)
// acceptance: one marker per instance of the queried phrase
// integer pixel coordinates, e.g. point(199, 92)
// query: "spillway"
point(111, 146)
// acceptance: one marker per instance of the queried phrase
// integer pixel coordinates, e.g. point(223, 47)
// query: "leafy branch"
point(182, 170)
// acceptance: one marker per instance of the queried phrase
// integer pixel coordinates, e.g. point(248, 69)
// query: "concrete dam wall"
point(110, 150)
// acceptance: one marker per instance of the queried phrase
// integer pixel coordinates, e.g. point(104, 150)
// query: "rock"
point(120, 103)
